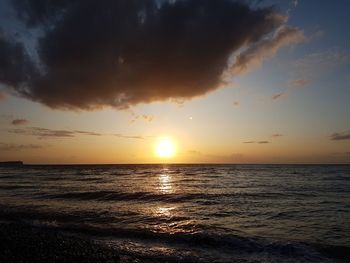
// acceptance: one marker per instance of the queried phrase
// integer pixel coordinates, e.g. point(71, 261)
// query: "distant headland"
point(11, 163)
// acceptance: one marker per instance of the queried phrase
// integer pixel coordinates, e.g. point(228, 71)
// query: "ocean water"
point(189, 213)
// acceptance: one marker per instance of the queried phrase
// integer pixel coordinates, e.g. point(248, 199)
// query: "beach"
point(23, 243)
point(20, 243)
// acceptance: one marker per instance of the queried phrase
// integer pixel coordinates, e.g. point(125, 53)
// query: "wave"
point(123, 196)
point(104, 195)
point(15, 187)
point(235, 245)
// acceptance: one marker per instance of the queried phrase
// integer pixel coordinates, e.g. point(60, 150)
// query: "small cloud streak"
point(129, 136)
point(298, 82)
point(340, 136)
point(144, 117)
point(44, 133)
point(276, 135)
point(88, 133)
point(20, 122)
point(16, 147)
point(263, 142)
point(236, 103)
point(147, 118)
point(257, 142)
point(279, 96)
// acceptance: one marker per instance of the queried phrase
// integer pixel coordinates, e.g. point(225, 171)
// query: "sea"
point(190, 213)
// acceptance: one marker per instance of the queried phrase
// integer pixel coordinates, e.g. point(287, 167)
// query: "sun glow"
point(165, 147)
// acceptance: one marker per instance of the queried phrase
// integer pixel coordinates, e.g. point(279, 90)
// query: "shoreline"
point(24, 243)
point(21, 243)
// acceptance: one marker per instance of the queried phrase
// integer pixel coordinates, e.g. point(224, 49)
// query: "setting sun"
point(165, 147)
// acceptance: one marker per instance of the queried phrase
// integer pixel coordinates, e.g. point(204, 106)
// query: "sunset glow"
point(181, 130)
point(244, 89)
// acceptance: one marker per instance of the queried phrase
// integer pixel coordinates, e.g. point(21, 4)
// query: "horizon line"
point(174, 163)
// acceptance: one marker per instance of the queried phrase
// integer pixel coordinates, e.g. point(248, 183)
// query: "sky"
point(224, 81)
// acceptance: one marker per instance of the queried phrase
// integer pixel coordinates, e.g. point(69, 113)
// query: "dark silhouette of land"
point(11, 163)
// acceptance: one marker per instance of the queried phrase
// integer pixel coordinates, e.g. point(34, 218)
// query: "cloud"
point(257, 142)
point(298, 82)
point(129, 137)
point(263, 142)
point(276, 135)
point(144, 117)
point(279, 96)
point(12, 147)
point(19, 122)
point(87, 133)
point(120, 53)
point(340, 136)
point(15, 64)
point(148, 118)
point(44, 133)
point(265, 48)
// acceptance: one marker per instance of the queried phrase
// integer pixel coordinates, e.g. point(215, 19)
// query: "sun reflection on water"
point(165, 211)
point(165, 184)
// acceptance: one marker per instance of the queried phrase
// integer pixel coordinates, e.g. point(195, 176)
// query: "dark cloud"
point(119, 53)
point(11, 147)
point(340, 136)
point(16, 68)
point(19, 122)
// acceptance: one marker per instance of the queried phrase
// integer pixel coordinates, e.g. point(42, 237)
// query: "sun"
point(165, 147)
